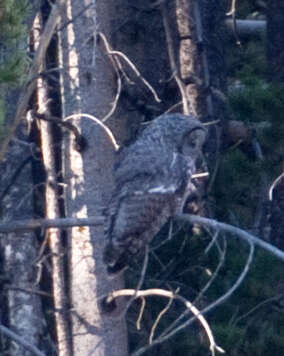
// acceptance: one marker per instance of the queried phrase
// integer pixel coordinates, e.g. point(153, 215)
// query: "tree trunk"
point(21, 305)
point(87, 87)
point(53, 236)
point(21, 309)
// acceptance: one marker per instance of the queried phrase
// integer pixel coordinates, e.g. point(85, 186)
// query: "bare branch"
point(141, 279)
point(181, 317)
point(135, 70)
point(166, 335)
point(143, 304)
point(115, 65)
point(234, 231)
point(170, 295)
point(247, 27)
point(214, 275)
point(159, 317)
point(232, 13)
point(21, 341)
point(34, 70)
point(24, 225)
point(173, 60)
point(80, 142)
point(273, 185)
point(98, 122)
point(258, 306)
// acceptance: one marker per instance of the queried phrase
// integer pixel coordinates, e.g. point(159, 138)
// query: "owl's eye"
point(193, 142)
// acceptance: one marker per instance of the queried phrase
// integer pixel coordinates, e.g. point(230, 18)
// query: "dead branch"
point(169, 332)
point(274, 184)
point(116, 65)
point(136, 71)
point(214, 275)
point(232, 13)
point(247, 28)
point(63, 223)
point(232, 230)
point(166, 294)
point(34, 70)
point(141, 279)
point(98, 122)
point(23, 225)
point(159, 317)
point(138, 322)
point(80, 142)
point(172, 59)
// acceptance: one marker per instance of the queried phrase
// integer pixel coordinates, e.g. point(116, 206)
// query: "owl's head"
point(182, 133)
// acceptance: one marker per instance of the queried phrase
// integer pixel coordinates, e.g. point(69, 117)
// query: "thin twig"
point(170, 47)
point(212, 242)
point(141, 279)
point(28, 290)
point(232, 230)
point(98, 122)
point(232, 13)
point(75, 17)
point(260, 214)
point(273, 185)
point(79, 139)
point(258, 306)
point(143, 304)
point(159, 317)
point(214, 276)
point(115, 66)
point(208, 284)
point(200, 175)
point(136, 71)
point(210, 307)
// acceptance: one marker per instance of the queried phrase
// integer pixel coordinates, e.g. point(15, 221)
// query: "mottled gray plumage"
point(152, 182)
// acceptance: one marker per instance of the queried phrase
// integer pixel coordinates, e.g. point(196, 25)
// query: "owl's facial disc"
point(193, 141)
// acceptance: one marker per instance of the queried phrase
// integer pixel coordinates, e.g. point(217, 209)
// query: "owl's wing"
point(140, 207)
point(138, 204)
point(133, 221)
point(134, 212)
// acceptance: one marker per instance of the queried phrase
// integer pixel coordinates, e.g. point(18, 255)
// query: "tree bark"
point(52, 209)
point(21, 309)
point(87, 87)
point(21, 306)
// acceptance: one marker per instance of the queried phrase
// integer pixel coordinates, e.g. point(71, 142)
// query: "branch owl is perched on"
point(152, 183)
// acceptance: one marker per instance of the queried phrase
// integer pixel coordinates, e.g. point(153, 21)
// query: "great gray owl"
point(152, 183)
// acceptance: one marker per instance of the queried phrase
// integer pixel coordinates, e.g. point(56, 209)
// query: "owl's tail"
point(115, 259)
